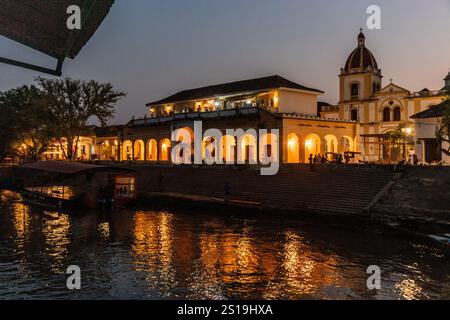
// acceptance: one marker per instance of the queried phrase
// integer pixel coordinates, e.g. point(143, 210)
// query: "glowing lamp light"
point(248, 102)
point(309, 143)
point(275, 99)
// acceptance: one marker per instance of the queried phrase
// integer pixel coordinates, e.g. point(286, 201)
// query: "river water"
point(178, 254)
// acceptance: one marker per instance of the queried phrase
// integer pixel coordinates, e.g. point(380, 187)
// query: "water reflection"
point(160, 254)
point(56, 234)
point(153, 248)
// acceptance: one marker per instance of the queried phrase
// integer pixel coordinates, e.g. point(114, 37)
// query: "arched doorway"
point(249, 149)
point(229, 148)
point(331, 144)
point(209, 148)
point(165, 149)
point(127, 150)
point(293, 148)
point(269, 148)
point(312, 146)
point(183, 139)
point(152, 150)
point(139, 151)
point(347, 144)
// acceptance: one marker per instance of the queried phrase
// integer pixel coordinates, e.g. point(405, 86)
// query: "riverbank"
point(170, 253)
point(380, 192)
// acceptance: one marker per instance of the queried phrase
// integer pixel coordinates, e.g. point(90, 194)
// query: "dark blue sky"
point(153, 48)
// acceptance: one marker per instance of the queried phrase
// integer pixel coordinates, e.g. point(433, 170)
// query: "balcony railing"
point(196, 115)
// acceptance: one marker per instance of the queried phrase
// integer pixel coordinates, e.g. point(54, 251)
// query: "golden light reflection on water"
point(56, 233)
point(218, 261)
point(409, 289)
point(152, 248)
point(21, 223)
point(104, 230)
point(206, 256)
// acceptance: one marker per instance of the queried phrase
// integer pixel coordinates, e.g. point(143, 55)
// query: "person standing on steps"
point(311, 162)
point(226, 190)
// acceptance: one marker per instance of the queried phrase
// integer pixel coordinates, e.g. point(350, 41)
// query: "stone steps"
point(329, 189)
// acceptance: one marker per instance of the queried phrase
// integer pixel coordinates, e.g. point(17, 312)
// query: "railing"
point(196, 115)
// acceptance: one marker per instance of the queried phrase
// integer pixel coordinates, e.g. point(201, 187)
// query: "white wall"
point(297, 101)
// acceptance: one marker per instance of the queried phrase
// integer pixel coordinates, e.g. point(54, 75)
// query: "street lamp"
point(407, 133)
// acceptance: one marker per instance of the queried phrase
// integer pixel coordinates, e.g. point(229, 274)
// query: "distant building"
point(426, 123)
point(379, 110)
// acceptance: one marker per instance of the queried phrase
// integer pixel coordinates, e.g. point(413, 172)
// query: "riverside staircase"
point(331, 189)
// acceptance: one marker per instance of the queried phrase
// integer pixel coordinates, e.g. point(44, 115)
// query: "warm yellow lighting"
point(164, 146)
point(275, 99)
point(248, 102)
point(309, 143)
point(408, 131)
point(291, 143)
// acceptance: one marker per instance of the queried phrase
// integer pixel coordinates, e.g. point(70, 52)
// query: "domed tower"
point(361, 78)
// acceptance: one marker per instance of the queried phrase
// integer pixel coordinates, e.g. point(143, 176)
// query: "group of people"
point(318, 158)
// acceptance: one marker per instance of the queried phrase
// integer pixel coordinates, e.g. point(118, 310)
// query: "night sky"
point(154, 48)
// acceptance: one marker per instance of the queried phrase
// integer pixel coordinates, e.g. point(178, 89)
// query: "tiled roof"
point(273, 82)
point(434, 112)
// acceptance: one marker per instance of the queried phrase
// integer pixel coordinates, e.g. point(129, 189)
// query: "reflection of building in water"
point(56, 232)
point(302, 270)
point(21, 224)
point(153, 248)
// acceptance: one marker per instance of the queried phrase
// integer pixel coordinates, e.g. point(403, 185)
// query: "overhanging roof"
point(434, 112)
point(41, 25)
point(253, 85)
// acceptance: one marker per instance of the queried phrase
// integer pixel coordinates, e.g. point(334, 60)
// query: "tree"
point(402, 135)
point(25, 124)
point(443, 130)
point(8, 121)
point(72, 103)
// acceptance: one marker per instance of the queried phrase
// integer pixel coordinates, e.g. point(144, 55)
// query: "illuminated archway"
point(268, 147)
point(228, 144)
point(312, 146)
point(347, 144)
point(152, 150)
point(331, 144)
point(165, 148)
point(183, 144)
point(127, 150)
point(249, 149)
point(293, 148)
point(139, 150)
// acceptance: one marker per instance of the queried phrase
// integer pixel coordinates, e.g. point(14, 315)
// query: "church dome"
point(361, 58)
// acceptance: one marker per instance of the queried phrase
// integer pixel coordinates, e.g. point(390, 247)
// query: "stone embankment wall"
point(331, 189)
point(421, 192)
